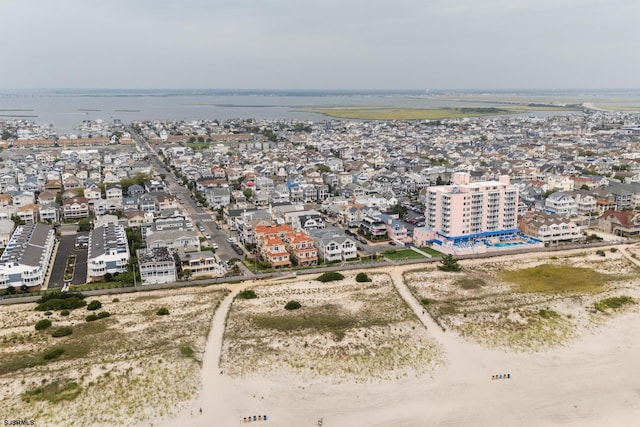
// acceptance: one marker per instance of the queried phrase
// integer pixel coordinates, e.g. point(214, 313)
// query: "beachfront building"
point(333, 245)
point(550, 228)
point(157, 265)
point(466, 210)
point(203, 263)
point(108, 251)
point(26, 258)
point(620, 223)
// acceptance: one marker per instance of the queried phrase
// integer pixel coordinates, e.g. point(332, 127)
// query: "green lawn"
point(430, 251)
point(402, 254)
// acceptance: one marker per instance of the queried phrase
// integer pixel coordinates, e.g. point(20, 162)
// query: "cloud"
point(321, 44)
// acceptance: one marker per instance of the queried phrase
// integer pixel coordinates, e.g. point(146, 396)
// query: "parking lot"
point(66, 246)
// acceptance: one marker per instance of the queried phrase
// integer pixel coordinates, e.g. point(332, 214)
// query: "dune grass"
point(613, 302)
point(549, 278)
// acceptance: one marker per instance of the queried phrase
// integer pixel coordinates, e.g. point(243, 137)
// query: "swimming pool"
point(507, 244)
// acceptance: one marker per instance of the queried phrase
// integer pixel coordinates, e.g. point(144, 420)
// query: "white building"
point(26, 258)
point(157, 265)
point(108, 251)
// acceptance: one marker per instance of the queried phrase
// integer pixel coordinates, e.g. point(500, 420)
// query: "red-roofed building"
point(273, 250)
point(626, 223)
point(302, 248)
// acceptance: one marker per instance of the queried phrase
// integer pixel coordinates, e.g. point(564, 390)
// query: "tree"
point(17, 221)
point(439, 180)
point(400, 210)
point(449, 263)
point(11, 290)
point(84, 224)
point(247, 193)
point(584, 187)
point(323, 168)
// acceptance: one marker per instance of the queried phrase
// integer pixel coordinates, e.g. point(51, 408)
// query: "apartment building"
point(26, 258)
point(465, 210)
point(108, 251)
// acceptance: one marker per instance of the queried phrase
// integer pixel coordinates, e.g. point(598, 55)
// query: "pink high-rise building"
point(468, 210)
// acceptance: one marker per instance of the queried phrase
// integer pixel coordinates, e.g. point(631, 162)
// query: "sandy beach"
point(590, 381)
point(387, 364)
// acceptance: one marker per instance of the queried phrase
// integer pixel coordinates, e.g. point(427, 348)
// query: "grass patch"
point(470, 283)
point(247, 294)
point(53, 393)
point(390, 113)
point(53, 354)
point(402, 254)
point(613, 303)
point(430, 251)
point(548, 314)
point(548, 278)
point(63, 331)
point(327, 318)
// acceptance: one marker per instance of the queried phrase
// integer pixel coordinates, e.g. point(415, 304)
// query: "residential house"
point(302, 249)
point(6, 230)
point(157, 265)
point(560, 203)
point(203, 263)
point(620, 223)
point(49, 212)
point(185, 240)
point(333, 245)
point(75, 208)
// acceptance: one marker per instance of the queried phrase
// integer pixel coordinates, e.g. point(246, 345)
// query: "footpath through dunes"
point(590, 381)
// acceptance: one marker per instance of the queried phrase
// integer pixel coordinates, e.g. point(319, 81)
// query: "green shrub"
point(613, 302)
point(94, 305)
point(547, 314)
point(614, 250)
point(600, 252)
point(53, 354)
point(329, 276)
point(91, 318)
point(292, 305)
point(59, 295)
point(61, 304)
point(362, 277)
point(48, 313)
point(64, 313)
point(43, 324)
point(103, 314)
point(61, 332)
point(247, 294)
point(163, 311)
point(116, 300)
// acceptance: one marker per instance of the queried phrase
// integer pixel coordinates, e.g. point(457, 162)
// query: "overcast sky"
point(320, 44)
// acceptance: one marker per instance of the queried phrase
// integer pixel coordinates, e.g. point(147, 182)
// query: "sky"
point(320, 44)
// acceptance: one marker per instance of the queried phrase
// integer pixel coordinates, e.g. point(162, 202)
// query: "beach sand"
point(592, 380)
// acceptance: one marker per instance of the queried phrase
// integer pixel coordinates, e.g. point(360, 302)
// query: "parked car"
point(392, 243)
